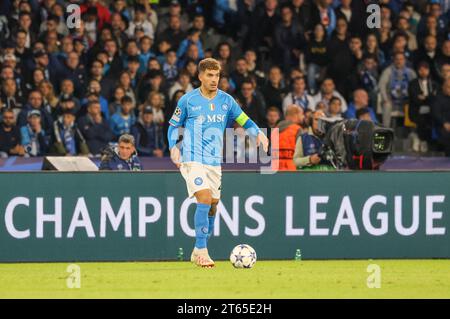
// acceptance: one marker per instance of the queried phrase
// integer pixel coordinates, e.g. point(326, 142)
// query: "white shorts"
point(200, 176)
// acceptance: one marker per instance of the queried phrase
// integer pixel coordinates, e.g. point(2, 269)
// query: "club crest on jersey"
point(224, 107)
point(198, 181)
point(212, 107)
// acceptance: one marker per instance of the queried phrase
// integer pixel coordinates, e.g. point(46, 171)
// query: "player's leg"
point(212, 215)
point(200, 254)
point(214, 175)
point(201, 217)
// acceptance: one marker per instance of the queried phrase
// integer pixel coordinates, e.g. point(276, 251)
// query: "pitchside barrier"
point(109, 216)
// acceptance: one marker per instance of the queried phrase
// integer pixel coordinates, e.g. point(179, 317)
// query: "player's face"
point(125, 150)
point(210, 79)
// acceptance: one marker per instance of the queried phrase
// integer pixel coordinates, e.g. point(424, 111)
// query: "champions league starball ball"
point(243, 256)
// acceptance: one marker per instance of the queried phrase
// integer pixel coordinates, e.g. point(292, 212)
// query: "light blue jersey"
point(204, 121)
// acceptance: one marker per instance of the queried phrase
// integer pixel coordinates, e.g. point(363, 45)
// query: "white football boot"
point(201, 258)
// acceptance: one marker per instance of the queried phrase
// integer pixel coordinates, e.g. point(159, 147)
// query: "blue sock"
point(211, 225)
point(201, 225)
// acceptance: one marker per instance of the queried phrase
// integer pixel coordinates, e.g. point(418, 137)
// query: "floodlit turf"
point(268, 279)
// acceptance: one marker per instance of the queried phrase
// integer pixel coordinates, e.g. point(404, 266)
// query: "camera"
point(355, 144)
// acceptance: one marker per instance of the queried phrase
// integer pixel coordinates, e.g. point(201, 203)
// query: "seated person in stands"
point(10, 135)
point(34, 139)
point(149, 135)
point(67, 138)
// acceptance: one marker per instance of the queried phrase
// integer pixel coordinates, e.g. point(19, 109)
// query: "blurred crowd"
point(70, 88)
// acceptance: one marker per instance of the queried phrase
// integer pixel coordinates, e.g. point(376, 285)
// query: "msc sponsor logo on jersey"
point(216, 118)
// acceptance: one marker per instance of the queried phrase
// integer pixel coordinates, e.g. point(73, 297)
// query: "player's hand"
point(175, 156)
point(263, 140)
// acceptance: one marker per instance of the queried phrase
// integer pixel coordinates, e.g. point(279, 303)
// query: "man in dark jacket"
point(421, 92)
point(121, 158)
point(289, 39)
point(149, 136)
point(441, 115)
point(95, 129)
point(252, 104)
point(10, 135)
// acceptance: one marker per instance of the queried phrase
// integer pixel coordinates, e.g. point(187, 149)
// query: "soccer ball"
point(243, 256)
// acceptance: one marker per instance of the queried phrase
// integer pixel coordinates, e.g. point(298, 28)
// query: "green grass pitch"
point(268, 279)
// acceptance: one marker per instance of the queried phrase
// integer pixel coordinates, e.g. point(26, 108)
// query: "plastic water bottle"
point(180, 254)
point(298, 254)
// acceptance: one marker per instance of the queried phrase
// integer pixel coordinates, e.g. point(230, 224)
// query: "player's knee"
point(213, 209)
point(204, 197)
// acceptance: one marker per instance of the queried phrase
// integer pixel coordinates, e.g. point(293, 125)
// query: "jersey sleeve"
point(180, 114)
point(236, 113)
point(242, 119)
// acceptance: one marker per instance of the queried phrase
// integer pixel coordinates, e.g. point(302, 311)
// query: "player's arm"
point(176, 121)
point(243, 120)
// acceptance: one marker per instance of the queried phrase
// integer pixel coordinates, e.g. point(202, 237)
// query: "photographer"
point(122, 157)
point(309, 146)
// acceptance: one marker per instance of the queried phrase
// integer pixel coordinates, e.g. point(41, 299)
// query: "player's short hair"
point(209, 64)
point(126, 138)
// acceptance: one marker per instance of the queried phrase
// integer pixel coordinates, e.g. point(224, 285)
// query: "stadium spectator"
point(95, 129)
point(288, 39)
point(34, 138)
point(156, 102)
point(393, 85)
point(335, 108)
point(274, 90)
point(169, 66)
point(323, 12)
point(122, 157)
point(360, 101)
point(10, 138)
point(367, 77)
point(9, 96)
point(441, 115)
point(140, 21)
point(175, 10)
point(183, 83)
point(252, 104)
point(35, 102)
point(173, 34)
point(316, 57)
point(327, 91)
point(67, 138)
point(273, 116)
point(104, 15)
point(122, 121)
point(193, 37)
point(298, 96)
point(208, 36)
point(364, 114)
point(341, 61)
point(422, 91)
point(148, 135)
